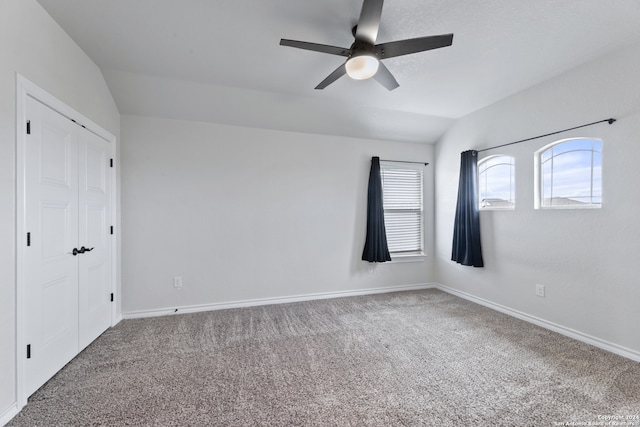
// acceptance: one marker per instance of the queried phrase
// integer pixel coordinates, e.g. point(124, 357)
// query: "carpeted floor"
point(422, 358)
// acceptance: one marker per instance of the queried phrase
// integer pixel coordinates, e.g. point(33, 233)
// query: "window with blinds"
point(402, 192)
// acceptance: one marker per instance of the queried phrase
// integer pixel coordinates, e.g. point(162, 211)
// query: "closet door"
point(51, 220)
point(94, 221)
point(67, 261)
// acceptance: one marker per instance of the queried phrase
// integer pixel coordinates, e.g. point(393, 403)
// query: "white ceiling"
point(220, 60)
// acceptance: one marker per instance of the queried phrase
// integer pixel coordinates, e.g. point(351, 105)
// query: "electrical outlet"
point(177, 282)
point(540, 290)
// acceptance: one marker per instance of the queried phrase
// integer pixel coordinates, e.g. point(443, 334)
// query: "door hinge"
point(28, 127)
point(110, 162)
point(112, 297)
point(28, 351)
point(28, 239)
point(112, 229)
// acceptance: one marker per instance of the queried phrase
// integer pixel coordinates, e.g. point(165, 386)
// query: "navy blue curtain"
point(375, 247)
point(466, 231)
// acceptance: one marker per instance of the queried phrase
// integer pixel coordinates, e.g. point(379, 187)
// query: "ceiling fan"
point(364, 56)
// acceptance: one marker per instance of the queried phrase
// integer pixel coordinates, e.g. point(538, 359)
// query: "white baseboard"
point(571, 333)
point(8, 414)
point(269, 301)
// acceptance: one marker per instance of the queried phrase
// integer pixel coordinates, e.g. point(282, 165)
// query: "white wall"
point(33, 45)
point(247, 214)
point(588, 259)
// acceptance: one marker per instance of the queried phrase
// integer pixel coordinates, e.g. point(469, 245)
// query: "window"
point(496, 182)
point(402, 198)
point(569, 174)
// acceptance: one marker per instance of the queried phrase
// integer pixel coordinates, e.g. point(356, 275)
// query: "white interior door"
point(94, 221)
point(67, 261)
point(51, 221)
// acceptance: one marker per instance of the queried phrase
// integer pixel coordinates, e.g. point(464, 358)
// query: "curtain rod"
point(404, 161)
point(610, 121)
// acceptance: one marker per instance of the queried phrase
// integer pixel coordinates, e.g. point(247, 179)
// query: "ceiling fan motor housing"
point(361, 48)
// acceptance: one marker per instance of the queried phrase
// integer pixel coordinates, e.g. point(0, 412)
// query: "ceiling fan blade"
point(337, 73)
point(406, 47)
point(385, 78)
point(316, 47)
point(369, 22)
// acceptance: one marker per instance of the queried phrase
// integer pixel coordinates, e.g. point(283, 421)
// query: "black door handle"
point(82, 250)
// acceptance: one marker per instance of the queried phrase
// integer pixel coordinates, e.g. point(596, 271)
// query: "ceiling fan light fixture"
point(362, 67)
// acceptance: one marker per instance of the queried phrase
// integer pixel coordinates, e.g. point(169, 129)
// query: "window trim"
point(538, 181)
point(408, 256)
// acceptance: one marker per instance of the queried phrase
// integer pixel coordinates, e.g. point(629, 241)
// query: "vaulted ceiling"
point(220, 60)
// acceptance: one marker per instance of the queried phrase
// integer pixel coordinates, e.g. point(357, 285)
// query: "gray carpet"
point(399, 359)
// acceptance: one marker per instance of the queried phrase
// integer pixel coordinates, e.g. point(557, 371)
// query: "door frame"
point(24, 89)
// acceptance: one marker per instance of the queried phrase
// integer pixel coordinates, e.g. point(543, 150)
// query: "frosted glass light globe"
point(362, 67)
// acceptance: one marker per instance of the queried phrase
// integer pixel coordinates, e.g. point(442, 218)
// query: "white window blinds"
point(402, 189)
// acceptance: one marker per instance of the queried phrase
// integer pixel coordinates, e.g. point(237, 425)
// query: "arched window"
point(569, 174)
point(496, 182)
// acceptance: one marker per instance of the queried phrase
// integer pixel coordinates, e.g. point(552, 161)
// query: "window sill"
point(497, 209)
point(407, 258)
point(564, 207)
